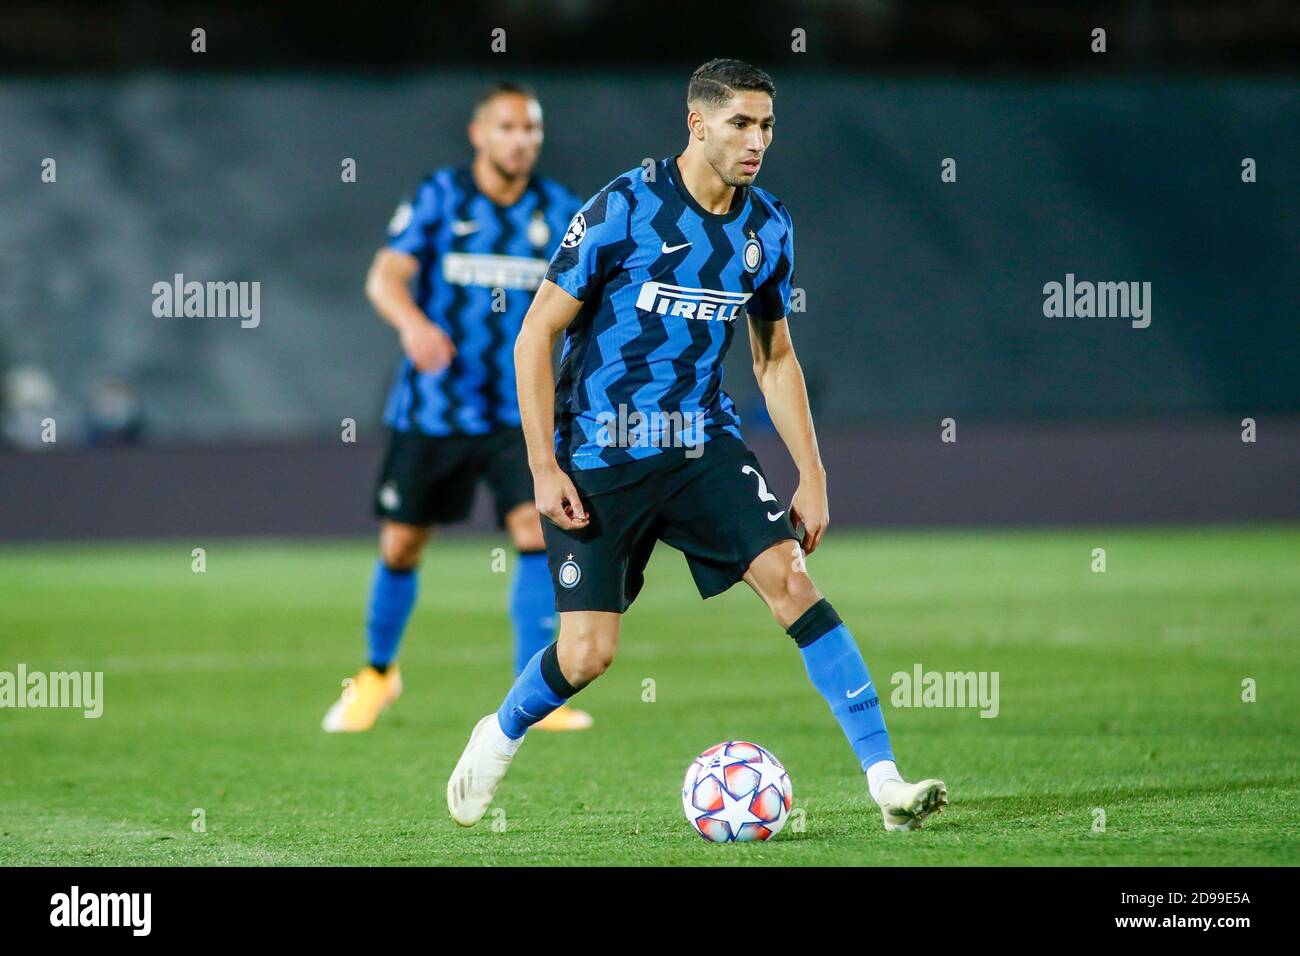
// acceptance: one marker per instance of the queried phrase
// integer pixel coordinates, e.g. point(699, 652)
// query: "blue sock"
point(838, 672)
point(532, 607)
point(392, 595)
point(539, 689)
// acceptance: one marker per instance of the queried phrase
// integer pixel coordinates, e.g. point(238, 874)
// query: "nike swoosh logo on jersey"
point(773, 517)
point(666, 249)
point(463, 227)
point(854, 693)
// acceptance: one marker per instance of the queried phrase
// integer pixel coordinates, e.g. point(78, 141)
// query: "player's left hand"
point(810, 508)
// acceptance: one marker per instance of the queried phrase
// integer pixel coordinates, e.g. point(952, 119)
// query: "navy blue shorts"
point(717, 509)
point(430, 479)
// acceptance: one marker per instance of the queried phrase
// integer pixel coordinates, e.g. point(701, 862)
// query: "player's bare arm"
point(780, 377)
point(388, 287)
point(550, 314)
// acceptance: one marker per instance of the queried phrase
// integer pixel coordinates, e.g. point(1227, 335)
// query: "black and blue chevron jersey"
point(480, 264)
point(663, 282)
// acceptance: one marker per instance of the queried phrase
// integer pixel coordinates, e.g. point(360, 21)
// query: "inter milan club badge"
point(539, 233)
point(753, 254)
point(570, 573)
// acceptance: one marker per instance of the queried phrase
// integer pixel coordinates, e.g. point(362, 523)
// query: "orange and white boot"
point(362, 700)
point(564, 717)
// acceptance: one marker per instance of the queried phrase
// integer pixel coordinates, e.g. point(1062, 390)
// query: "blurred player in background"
point(476, 241)
point(665, 265)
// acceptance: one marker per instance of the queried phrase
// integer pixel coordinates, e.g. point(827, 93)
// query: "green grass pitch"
point(1120, 691)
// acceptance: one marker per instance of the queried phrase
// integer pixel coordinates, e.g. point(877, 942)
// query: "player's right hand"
point(428, 347)
point(558, 501)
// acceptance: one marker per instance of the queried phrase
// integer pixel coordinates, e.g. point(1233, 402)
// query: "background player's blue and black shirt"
point(468, 246)
point(663, 283)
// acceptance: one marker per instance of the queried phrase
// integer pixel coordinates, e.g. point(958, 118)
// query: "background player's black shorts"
point(430, 479)
point(717, 509)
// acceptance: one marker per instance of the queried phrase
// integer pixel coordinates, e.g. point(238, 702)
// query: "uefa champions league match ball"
point(735, 792)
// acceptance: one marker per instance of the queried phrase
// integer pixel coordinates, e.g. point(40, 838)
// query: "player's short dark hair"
point(719, 80)
point(499, 88)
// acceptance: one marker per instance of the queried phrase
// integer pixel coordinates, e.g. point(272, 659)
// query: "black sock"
point(552, 674)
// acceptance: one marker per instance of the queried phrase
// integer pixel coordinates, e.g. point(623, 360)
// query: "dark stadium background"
point(923, 299)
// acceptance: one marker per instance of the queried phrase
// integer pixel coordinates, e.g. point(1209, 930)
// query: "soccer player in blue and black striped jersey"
point(475, 241)
point(637, 442)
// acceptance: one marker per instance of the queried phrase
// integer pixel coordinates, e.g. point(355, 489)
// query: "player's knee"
point(590, 662)
point(795, 595)
point(585, 654)
point(400, 546)
point(529, 540)
point(528, 543)
point(525, 527)
point(402, 556)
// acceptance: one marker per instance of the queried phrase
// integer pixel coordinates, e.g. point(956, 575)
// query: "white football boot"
point(480, 769)
point(906, 805)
